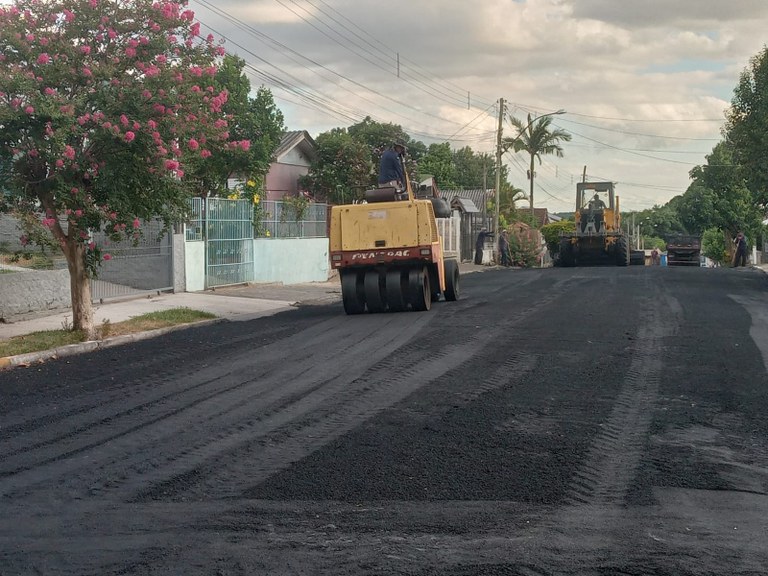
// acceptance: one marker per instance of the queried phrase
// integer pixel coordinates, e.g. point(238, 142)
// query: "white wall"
point(194, 266)
point(291, 260)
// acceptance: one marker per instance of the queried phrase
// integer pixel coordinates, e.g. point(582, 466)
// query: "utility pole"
point(498, 181)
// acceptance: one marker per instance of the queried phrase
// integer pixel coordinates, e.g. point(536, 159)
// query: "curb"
point(25, 360)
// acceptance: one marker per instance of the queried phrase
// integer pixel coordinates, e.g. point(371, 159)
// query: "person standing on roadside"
point(740, 257)
point(505, 258)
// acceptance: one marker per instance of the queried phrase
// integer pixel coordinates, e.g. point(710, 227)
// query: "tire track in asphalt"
point(159, 422)
point(337, 410)
point(162, 364)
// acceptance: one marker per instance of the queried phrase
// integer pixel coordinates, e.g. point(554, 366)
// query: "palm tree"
point(537, 138)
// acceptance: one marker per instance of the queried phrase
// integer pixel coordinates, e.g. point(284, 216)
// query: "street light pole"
point(499, 150)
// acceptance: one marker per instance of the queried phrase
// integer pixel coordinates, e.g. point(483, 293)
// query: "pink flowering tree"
point(102, 105)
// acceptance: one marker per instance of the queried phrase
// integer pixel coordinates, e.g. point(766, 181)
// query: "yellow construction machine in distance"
point(598, 238)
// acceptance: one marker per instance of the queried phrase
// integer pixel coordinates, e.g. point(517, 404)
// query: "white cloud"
point(646, 78)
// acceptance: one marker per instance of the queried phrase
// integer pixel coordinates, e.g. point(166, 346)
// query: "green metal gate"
point(228, 226)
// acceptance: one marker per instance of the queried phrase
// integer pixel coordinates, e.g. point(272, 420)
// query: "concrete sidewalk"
point(239, 302)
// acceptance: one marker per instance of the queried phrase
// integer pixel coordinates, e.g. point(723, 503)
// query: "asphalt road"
point(602, 421)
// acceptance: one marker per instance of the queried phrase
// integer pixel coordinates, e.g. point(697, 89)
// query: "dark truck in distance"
point(683, 250)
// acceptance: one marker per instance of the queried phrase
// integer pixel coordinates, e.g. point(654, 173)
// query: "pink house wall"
point(282, 180)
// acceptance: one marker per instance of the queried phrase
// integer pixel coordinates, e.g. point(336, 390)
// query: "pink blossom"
point(136, 223)
point(78, 213)
point(30, 37)
point(112, 215)
point(130, 52)
point(124, 120)
point(152, 124)
point(68, 15)
point(193, 144)
point(171, 165)
point(85, 49)
point(205, 153)
point(245, 145)
point(129, 136)
point(162, 59)
point(94, 3)
point(29, 110)
point(59, 163)
point(112, 34)
point(49, 91)
point(196, 71)
point(43, 58)
point(146, 94)
point(195, 29)
point(87, 71)
point(49, 222)
point(69, 152)
point(107, 257)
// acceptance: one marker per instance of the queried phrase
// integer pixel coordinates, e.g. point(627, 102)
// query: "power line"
point(445, 83)
point(640, 133)
point(290, 53)
point(628, 151)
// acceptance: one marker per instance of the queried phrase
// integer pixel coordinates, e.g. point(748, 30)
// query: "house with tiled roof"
point(544, 217)
point(291, 160)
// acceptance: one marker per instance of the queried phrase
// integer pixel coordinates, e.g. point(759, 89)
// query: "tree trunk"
point(530, 197)
point(80, 290)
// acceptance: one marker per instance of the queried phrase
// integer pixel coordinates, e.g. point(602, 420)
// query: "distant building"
point(292, 159)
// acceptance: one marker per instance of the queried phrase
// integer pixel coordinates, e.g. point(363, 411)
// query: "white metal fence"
point(450, 231)
point(281, 222)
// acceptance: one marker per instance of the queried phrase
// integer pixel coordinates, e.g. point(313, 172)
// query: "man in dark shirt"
point(391, 168)
point(596, 203)
point(740, 257)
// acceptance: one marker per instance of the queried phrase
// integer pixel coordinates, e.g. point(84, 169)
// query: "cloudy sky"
point(644, 84)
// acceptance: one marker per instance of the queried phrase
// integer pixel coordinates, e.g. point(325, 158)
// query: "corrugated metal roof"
point(478, 196)
point(464, 204)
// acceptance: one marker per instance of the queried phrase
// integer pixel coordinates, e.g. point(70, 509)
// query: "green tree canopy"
point(255, 119)
point(438, 162)
point(746, 126)
point(537, 138)
point(342, 170)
